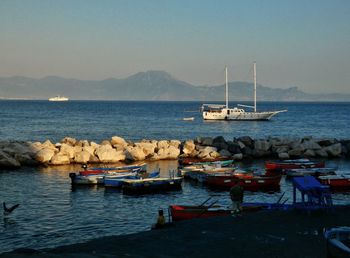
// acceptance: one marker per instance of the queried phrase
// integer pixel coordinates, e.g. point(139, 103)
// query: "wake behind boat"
point(223, 112)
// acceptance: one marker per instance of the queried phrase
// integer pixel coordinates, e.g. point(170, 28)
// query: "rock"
point(260, 153)
point(280, 149)
point(326, 142)
point(283, 155)
point(214, 154)
point(94, 145)
point(242, 145)
point(262, 145)
point(44, 155)
point(116, 140)
point(69, 141)
point(207, 141)
point(48, 145)
point(106, 142)
point(220, 145)
point(297, 152)
point(237, 156)
point(247, 141)
point(310, 153)
point(134, 153)
point(175, 143)
point(248, 152)
point(163, 144)
point(321, 153)
point(189, 147)
point(148, 148)
point(89, 149)
point(67, 149)
point(334, 150)
point(167, 153)
point(311, 145)
point(25, 159)
point(82, 157)
point(6, 161)
point(225, 153)
point(219, 139)
point(107, 154)
point(233, 147)
point(205, 152)
point(60, 159)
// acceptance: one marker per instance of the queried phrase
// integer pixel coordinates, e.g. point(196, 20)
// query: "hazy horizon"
point(295, 43)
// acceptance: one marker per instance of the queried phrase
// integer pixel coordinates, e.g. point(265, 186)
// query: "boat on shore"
point(338, 242)
point(223, 112)
point(59, 98)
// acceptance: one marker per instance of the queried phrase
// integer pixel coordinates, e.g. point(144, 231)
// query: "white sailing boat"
point(223, 112)
point(58, 98)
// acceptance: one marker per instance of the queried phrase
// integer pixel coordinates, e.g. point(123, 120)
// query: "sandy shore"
point(259, 234)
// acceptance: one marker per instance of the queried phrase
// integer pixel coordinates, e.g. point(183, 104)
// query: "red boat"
point(292, 164)
point(336, 182)
point(248, 181)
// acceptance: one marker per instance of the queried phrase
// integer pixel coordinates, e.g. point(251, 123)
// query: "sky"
point(295, 43)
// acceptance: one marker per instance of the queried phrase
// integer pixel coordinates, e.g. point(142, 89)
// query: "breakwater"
point(14, 154)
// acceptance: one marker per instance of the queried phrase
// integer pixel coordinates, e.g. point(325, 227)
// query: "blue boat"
point(117, 181)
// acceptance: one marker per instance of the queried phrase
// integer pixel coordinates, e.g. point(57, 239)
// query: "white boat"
point(59, 98)
point(223, 112)
point(338, 242)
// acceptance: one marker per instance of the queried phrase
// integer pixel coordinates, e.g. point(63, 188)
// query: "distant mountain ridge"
point(150, 85)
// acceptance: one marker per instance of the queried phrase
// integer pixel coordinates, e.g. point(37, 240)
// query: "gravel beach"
point(256, 234)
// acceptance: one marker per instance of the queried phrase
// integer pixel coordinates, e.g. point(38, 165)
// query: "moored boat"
point(248, 181)
point(282, 165)
point(151, 185)
point(113, 170)
point(118, 181)
point(223, 161)
point(310, 171)
point(336, 182)
point(338, 242)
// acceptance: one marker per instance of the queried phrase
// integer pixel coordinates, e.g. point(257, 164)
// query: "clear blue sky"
point(304, 43)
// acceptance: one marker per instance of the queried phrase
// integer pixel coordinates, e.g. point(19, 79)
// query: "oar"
point(207, 209)
point(205, 201)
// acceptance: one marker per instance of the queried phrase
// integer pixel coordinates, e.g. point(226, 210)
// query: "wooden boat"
point(186, 212)
point(200, 175)
point(336, 182)
point(338, 242)
point(310, 172)
point(191, 161)
point(118, 181)
point(85, 180)
point(111, 170)
point(292, 164)
point(248, 181)
point(151, 185)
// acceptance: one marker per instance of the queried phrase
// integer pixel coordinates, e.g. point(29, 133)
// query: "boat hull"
point(338, 242)
point(145, 186)
point(336, 182)
point(249, 183)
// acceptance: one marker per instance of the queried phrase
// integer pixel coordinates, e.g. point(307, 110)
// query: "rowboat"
point(338, 242)
point(85, 180)
point(191, 161)
point(151, 185)
point(310, 171)
point(118, 181)
point(292, 164)
point(200, 175)
point(121, 169)
point(248, 181)
point(186, 212)
point(336, 182)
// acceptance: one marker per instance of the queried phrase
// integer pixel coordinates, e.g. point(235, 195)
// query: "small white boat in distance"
point(223, 112)
point(59, 98)
point(188, 118)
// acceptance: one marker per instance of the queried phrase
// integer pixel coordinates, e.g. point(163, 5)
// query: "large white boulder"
point(69, 140)
point(60, 159)
point(116, 140)
point(167, 153)
point(175, 143)
point(134, 153)
point(147, 147)
point(189, 147)
point(311, 145)
point(163, 144)
point(68, 150)
point(44, 155)
point(107, 154)
point(82, 157)
point(334, 150)
point(262, 145)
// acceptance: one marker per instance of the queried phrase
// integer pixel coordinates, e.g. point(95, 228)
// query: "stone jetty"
point(14, 154)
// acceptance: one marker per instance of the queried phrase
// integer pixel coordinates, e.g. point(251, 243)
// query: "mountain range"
point(151, 85)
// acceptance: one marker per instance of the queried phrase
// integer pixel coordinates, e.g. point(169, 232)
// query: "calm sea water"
point(51, 213)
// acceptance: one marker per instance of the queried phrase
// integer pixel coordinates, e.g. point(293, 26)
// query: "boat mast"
point(226, 87)
point(254, 75)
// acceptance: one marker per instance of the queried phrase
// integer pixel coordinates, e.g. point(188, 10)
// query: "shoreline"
point(257, 234)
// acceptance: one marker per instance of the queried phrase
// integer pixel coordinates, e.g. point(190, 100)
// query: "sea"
point(52, 213)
